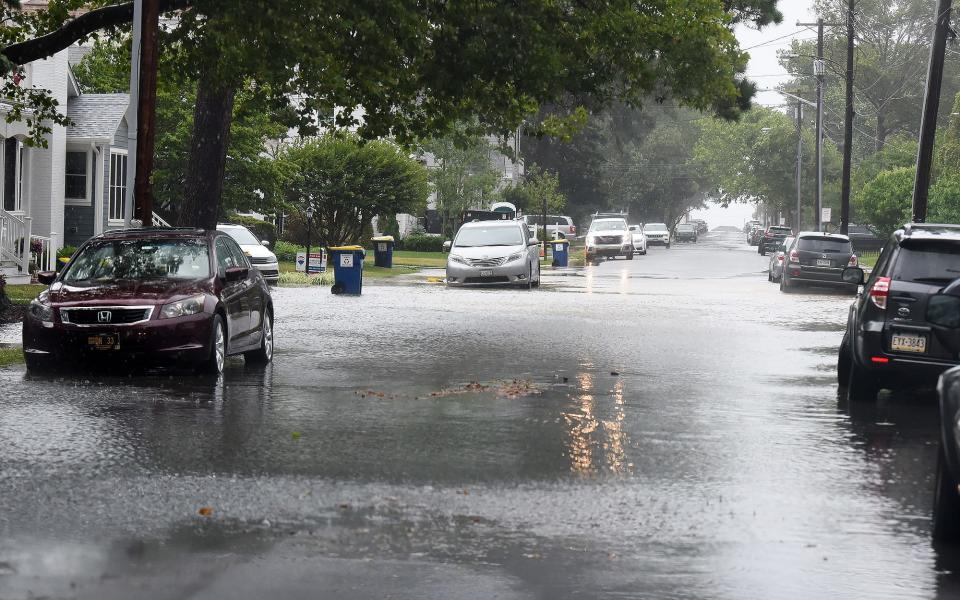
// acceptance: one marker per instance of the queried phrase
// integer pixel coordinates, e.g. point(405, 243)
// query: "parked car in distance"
point(864, 238)
point(818, 259)
point(256, 250)
point(685, 232)
point(494, 253)
point(657, 234)
point(701, 226)
point(775, 267)
point(756, 232)
point(557, 226)
point(749, 226)
point(902, 330)
point(158, 295)
point(772, 237)
point(946, 497)
point(609, 236)
point(639, 239)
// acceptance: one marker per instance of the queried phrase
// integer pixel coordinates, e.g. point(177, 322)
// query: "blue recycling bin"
point(561, 252)
point(347, 269)
point(383, 251)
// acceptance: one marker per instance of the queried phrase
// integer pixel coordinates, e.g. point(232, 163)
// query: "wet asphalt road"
point(680, 437)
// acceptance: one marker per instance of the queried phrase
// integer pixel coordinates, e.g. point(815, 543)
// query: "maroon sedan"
point(163, 295)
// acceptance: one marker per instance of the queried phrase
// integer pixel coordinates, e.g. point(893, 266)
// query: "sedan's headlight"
point(183, 308)
point(516, 256)
point(458, 259)
point(41, 311)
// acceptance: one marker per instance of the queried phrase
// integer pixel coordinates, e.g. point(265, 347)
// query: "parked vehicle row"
point(812, 258)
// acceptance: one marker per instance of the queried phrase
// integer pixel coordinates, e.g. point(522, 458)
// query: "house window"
point(12, 174)
point(118, 185)
point(76, 176)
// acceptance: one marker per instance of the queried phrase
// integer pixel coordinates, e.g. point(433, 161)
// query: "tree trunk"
point(881, 131)
point(208, 153)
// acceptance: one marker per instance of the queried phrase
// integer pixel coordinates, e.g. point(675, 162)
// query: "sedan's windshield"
point(242, 236)
point(608, 225)
point(109, 261)
point(655, 227)
point(471, 237)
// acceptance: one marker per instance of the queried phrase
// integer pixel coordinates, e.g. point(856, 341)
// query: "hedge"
point(287, 252)
point(421, 243)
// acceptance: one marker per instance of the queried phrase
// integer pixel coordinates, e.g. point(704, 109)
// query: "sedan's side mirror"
point(447, 245)
point(264, 242)
point(944, 310)
point(46, 277)
point(236, 273)
point(854, 275)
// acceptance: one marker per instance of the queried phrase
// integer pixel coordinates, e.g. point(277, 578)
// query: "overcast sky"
point(767, 73)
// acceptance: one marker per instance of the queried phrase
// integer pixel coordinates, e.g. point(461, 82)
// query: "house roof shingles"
point(96, 117)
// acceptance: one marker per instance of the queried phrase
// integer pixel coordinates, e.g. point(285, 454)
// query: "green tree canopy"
point(538, 186)
point(348, 183)
point(885, 201)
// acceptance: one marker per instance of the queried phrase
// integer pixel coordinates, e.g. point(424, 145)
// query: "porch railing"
point(44, 251)
point(158, 221)
point(15, 240)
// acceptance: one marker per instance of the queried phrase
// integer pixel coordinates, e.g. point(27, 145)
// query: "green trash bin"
point(383, 251)
point(561, 252)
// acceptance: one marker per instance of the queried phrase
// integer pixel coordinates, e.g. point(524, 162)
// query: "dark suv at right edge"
point(895, 337)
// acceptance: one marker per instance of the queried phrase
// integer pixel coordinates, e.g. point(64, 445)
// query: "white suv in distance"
point(260, 257)
point(609, 236)
point(657, 234)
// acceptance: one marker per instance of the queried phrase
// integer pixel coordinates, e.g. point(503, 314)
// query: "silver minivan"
point(494, 253)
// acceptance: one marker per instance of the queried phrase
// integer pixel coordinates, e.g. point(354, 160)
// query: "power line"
point(782, 37)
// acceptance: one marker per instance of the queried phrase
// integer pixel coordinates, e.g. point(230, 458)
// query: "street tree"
point(412, 70)
point(252, 178)
point(348, 183)
point(884, 202)
point(538, 188)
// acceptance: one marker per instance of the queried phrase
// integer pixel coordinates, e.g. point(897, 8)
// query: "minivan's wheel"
point(860, 386)
point(263, 354)
point(218, 348)
point(629, 255)
point(946, 504)
point(785, 285)
point(843, 361)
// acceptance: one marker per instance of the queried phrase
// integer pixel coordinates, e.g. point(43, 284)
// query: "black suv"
point(900, 330)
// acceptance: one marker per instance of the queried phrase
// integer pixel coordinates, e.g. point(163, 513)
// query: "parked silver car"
point(494, 253)
point(775, 268)
point(257, 252)
point(558, 226)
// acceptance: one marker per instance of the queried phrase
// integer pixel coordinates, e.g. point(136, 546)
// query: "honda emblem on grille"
point(104, 316)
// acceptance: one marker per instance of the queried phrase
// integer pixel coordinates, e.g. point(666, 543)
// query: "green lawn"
point(868, 259)
point(23, 294)
point(10, 356)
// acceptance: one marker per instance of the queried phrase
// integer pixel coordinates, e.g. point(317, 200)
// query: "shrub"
point(294, 278)
point(286, 252)
point(263, 230)
point(66, 251)
point(422, 243)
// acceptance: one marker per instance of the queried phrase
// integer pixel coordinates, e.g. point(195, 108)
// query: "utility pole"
point(847, 126)
point(799, 162)
point(146, 112)
point(132, 109)
point(931, 104)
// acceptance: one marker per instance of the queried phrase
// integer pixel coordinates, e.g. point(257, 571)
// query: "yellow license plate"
point(905, 342)
point(104, 341)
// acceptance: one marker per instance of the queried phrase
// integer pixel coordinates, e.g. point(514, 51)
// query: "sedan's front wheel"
point(263, 354)
point(217, 357)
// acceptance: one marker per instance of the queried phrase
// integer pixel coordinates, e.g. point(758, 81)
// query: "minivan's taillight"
point(794, 256)
point(879, 292)
point(853, 261)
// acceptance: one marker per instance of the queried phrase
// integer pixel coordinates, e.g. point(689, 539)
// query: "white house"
point(75, 187)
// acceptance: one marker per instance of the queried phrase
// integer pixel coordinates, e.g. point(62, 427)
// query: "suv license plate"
point(486, 273)
point(906, 342)
point(824, 262)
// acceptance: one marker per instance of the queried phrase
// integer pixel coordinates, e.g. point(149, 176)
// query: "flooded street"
point(665, 427)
